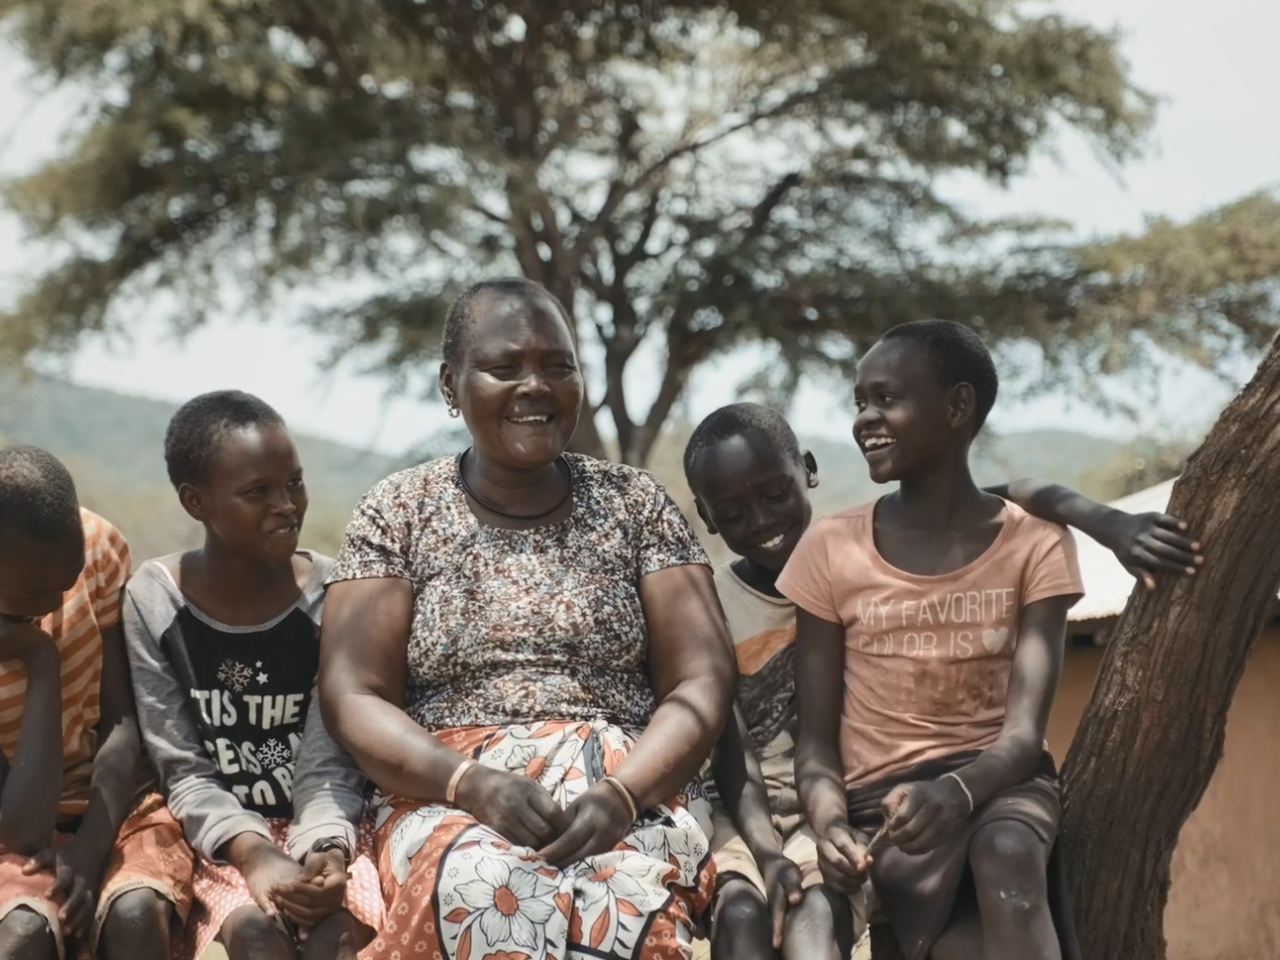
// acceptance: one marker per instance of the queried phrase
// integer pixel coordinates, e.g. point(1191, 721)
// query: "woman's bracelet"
point(956, 777)
point(621, 787)
point(451, 791)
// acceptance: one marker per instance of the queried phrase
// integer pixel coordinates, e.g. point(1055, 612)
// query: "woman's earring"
point(453, 406)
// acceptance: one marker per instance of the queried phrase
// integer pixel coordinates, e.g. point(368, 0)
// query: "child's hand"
point(842, 860)
point(76, 879)
point(267, 868)
point(317, 892)
point(919, 816)
point(22, 639)
point(783, 890)
point(1151, 543)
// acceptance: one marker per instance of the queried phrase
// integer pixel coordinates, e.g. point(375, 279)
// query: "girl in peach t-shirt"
point(930, 634)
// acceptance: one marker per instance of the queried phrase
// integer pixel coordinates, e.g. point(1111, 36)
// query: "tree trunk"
point(1153, 731)
point(586, 439)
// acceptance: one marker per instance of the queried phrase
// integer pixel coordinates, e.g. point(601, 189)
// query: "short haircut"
point(736, 420)
point(38, 498)
point(959, 356)
point(199, 424)
point(458, 321)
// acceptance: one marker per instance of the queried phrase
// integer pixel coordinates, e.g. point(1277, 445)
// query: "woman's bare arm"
point(693, 673)
point(363, 646)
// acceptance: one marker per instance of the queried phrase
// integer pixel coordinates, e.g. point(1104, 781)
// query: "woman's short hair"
point(458, 320)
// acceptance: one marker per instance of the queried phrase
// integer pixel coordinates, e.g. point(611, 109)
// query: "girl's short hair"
point(199, 424)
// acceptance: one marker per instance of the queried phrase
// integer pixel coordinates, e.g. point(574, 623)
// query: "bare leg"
point(139, 924)
point(1010, 865)
point(24, 935)
point(333, 934)
point(740, 927)
point(249, 934)
point(962, 939)
point(820, 927)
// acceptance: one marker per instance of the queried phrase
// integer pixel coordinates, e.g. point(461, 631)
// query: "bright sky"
point(1214, 66)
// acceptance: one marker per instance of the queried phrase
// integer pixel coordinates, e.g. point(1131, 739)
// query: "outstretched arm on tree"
point(1144, 543)
point(926, 813)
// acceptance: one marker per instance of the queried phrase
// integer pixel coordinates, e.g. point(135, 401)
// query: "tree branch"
point(488, 214)
point(619, 190)
point(674, 377)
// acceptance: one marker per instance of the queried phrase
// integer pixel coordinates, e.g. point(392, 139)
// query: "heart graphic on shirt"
point(995, 640)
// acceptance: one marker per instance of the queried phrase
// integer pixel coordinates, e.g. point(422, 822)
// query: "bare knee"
point(1009, 864)
point(820, 927)
point(26, 934)
point(137, 924)
point(250, 932)
point(740, 922)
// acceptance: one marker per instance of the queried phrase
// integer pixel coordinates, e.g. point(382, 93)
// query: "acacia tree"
point(692, 176)
point(698, 175)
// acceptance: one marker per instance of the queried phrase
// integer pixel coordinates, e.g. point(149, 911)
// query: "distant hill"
point(113, 444)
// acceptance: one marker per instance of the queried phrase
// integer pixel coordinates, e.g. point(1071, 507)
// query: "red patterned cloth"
point(456, 890)
point(220, 890)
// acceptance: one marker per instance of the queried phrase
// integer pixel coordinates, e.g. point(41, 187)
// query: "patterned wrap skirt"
point(457, 890)
point(149, 853)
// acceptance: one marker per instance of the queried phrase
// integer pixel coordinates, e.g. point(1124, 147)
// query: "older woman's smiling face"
point(518, 386)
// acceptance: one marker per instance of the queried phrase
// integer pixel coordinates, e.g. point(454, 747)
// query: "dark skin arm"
point(742, 790)
point(117, 770)
point(746, 799)
point(363, 642)
point(923, 814)
point(819, 670)
point(1145, 544)
point(693, 673)
point(29, 795)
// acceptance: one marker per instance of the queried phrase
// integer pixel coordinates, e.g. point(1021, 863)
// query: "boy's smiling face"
point(755, 496)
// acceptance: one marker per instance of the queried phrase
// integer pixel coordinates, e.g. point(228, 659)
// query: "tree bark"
point(1153, 732)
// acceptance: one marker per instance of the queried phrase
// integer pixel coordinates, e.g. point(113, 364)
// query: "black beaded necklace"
point(462, 479)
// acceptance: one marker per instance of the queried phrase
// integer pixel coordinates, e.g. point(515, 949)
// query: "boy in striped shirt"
point(88, 863)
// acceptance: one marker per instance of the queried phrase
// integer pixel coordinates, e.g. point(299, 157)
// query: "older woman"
point(522, 648)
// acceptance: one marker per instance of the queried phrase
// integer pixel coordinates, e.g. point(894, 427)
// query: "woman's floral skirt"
point(456, 890)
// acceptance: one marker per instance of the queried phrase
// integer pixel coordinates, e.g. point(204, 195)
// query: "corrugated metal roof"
point(1107, 585)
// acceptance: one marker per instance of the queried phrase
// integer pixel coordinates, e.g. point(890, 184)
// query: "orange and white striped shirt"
point(88, 608)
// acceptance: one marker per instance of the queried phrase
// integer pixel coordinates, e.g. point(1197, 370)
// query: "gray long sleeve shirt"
point(230, 717)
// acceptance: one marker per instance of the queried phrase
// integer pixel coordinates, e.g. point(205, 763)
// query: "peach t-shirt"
point(927, 659)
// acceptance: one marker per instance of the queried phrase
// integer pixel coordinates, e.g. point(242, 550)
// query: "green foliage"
point(700, 175)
